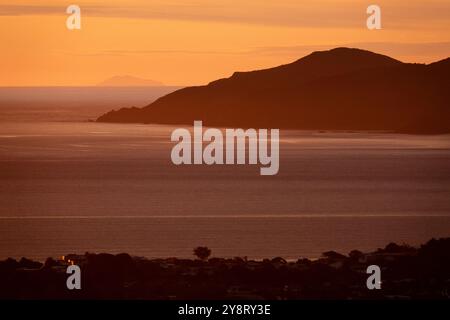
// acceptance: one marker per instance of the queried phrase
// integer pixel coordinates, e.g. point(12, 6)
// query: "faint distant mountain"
point(339, 89)
point(128, 81)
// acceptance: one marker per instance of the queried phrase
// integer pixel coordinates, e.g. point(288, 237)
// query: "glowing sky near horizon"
point(196, 41)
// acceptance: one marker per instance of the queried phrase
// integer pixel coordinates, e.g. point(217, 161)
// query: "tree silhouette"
point(355, 255)
point(202, 253)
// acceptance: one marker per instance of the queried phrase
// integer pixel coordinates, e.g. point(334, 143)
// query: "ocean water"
point(71, 186)
point(34, 104)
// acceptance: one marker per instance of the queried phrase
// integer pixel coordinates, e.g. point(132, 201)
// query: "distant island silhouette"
point(339, 89)
point(406, 273)
point(129, 81)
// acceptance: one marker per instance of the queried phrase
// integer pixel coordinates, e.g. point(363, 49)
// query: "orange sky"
point(196, 41)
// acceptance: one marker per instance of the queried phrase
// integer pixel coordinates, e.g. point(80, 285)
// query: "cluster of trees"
point(406, 272)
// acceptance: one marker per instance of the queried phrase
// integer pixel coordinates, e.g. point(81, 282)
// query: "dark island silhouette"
point(339, 89)
point(406, 273)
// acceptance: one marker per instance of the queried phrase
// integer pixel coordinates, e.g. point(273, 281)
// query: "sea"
point(71, 185)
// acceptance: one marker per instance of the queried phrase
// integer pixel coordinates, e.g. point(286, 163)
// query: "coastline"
point(406, 272)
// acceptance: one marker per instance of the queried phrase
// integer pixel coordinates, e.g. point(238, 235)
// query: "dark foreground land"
point(406, 273)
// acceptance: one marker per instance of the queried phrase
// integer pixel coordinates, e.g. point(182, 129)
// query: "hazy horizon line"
point(244, 216)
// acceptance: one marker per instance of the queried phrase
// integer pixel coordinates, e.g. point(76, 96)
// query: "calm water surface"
point(78, 186)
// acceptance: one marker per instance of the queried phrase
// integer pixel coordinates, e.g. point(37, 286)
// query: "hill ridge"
point(337, 89)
